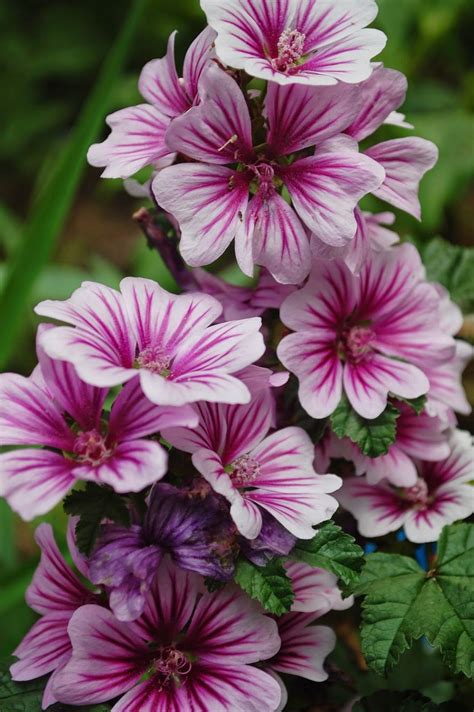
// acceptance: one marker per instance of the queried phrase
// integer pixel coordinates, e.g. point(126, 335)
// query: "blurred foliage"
point(51, 52)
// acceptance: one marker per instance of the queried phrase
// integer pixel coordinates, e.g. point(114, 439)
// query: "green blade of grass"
point(51, 209)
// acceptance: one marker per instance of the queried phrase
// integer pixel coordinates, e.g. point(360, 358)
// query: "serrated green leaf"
point(270, 585)
point(334, 550)
point(403, 603)
point(93, 504)
point(416, 404)
point(391, 701)
point(373, 437)
point(452, 266)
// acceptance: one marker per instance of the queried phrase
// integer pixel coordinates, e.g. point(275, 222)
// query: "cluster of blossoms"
point(193, 409)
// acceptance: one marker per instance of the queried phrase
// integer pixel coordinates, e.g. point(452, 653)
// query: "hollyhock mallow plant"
point(137, 137)
point(363, 335)
point(57, 411)
point(55, 593)
point(267, 191)
point(258, 471)
point(191, 650)
point(442, 494)
point(302, 42)
point(195, 532)
point(167, 340)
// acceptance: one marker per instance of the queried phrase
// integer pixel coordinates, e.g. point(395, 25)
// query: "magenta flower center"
point(154, 359)
point(290, 50)
point(243, 471)
point(91, 447)
point(172, 666)
point(264, 175)
point(418, 494)
point(356, 343)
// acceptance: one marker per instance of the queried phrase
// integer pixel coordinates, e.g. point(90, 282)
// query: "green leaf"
point(27, 696)
point(270, 585)
point(373, 437)
point(55, 199)
point(403, 602)
point(391, 701)
point(19, 696)
point(92, 505)
point(334, 550)
point(416, 404)
point(452, 266)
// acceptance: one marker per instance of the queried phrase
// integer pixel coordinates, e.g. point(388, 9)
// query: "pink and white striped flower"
point(54, 409)
point(303, 42)
point(214, 200)
point(418, 437)
point(55, 593)
point(255, 471)
point(191, 650)
point(138, 132)
point(441, 495)
point(447, 395)
point(405, 160)
point(304, 646)
point(165, 339)
point(363, 334)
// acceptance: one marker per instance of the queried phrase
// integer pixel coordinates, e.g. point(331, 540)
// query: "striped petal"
point(99, 311)
point(29, 416)
point(273, 236)
point(200, 51)
point(159, 84)
point(34, 481)
point(287, 486)
point(395, 466)
point(381, 94)
point(229, 628)
point(377, 508)
point(137, 140)
point(133, 416)
point(368, 383)
point(106, 661)
point(82, 402)
point(55, 588)
point(405, 160)
point(325, 189)
point(159, 318)
point(315, 590)
point(209, 203)
point(302, 116)
point(44, 647)
point(218, 130)
point(304, 647)
point(134, 465)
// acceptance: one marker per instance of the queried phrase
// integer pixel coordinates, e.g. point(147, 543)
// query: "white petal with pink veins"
point(137, 140)
point(209, 203)
point(405, 160)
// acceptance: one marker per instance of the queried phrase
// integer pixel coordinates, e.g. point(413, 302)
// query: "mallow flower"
point(191, 650)
point(363, 335)
point(441, 495)
point(56, 410)
point(296, 41)
point(165, 339)
point(270, 190)
point(256, 471)
point(137, 137)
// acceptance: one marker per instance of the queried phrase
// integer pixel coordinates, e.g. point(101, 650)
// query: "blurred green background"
point(60, 223)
